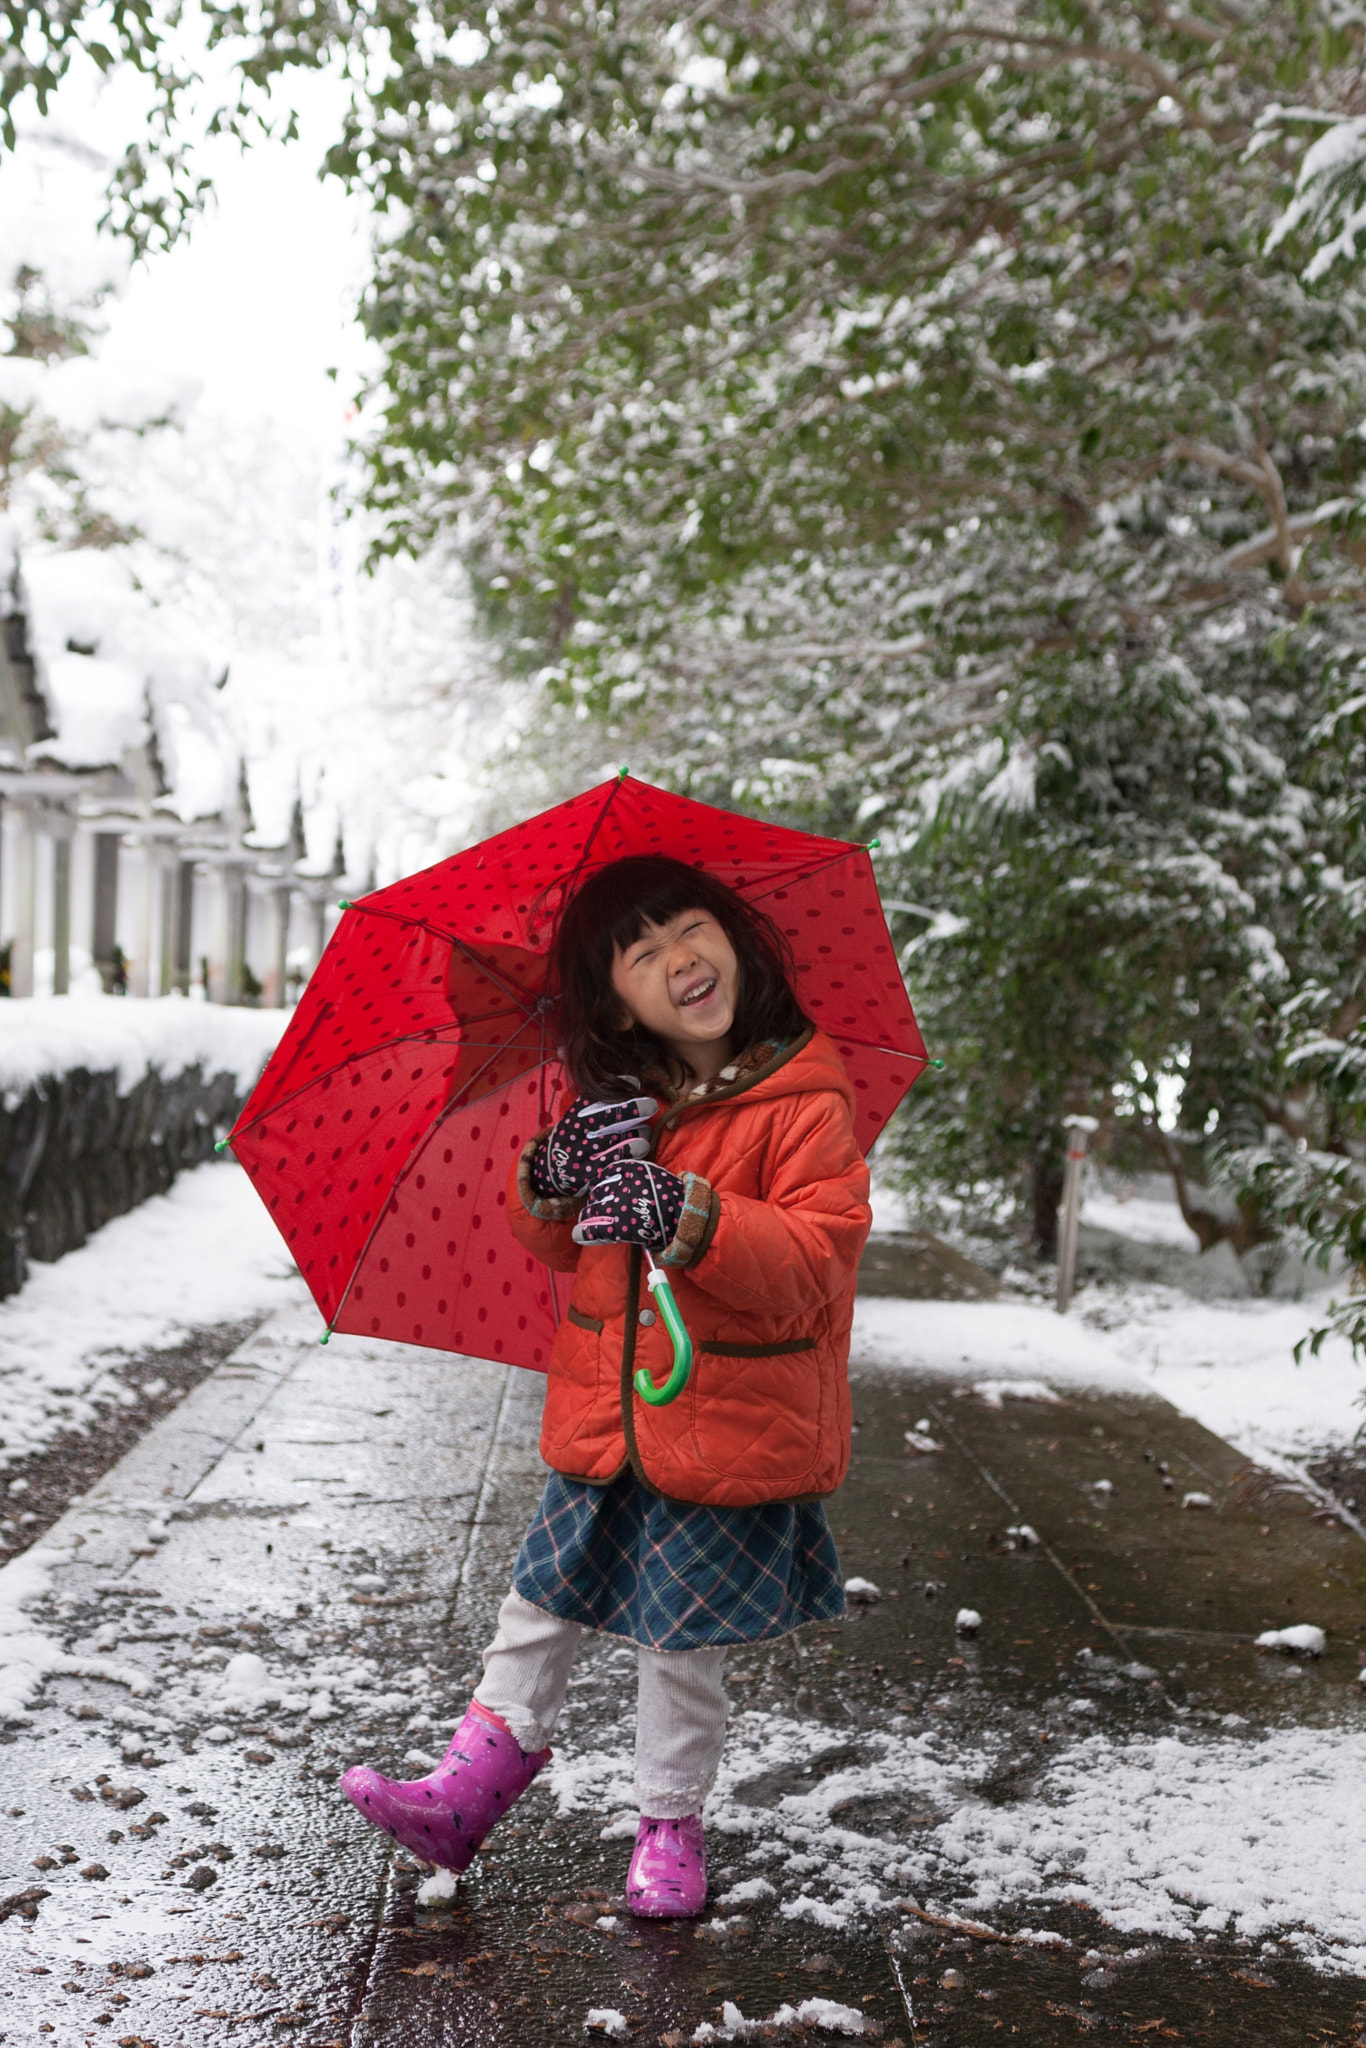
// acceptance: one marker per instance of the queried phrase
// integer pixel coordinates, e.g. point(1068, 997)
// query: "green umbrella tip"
point(622, 774)
point(936, 1063)
point(344, 903)
point(324, 1337)
point(872, 843)
point(220, 1144)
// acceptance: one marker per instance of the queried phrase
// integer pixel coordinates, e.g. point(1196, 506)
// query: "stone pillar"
point(61, 909)
point(183, 964)
point(168, 871)
point(106, 922)
point(235, 885)
point(317, 936)
point(22, 904)
point(278, 996)
point(143, 935)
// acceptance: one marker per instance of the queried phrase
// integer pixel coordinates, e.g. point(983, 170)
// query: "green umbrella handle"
point(658, 1397)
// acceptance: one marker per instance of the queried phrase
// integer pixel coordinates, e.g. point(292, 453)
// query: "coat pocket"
point(757, 1407)
point(576, 1362)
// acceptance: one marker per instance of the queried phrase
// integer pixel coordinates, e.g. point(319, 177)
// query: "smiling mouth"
point(698, 993)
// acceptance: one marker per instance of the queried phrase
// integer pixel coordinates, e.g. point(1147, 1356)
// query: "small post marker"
point(1078, 1129)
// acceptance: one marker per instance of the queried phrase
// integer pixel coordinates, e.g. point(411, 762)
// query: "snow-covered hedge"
point(103, 1100)
point(43, 1036)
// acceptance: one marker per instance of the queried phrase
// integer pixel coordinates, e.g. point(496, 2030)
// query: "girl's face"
point(680, 980)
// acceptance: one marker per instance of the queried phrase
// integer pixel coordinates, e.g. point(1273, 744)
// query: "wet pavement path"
point(179, 1869)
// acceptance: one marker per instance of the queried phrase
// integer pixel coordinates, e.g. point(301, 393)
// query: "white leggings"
point(680, 1703)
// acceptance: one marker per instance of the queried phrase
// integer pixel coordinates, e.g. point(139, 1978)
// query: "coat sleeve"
point(798, 1248)
point(544, 1228)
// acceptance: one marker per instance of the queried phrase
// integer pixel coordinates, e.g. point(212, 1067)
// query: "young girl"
point(713, 1125)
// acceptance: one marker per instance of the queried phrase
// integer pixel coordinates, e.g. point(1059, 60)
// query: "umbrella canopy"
point(422, 1057)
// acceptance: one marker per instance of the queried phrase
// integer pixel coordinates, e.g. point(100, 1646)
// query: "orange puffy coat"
point(763, 1269)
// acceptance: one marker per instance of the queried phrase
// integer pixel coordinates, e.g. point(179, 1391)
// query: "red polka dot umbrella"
point(421, 1057)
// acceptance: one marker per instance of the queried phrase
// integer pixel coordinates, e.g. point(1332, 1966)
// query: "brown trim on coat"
point(583, 1322)
point(695, 1225)
point(587, 1479)
point(708, 1229)
point(759, 1350)
point(742, 1082)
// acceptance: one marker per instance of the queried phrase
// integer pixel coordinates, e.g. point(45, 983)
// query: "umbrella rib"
point(589, 843)
point(425, 1037)
point(872, 1045)
point(509, 988)
point(789, 876)
point(406, 1168)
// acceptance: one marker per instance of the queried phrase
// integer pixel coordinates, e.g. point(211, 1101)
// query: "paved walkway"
point(348, 1517)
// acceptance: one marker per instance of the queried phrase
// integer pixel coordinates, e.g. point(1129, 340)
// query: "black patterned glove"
point(589, 1137)
point(637, 1203)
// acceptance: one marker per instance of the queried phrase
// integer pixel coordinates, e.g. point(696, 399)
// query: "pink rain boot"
point(668, 1875)
point(444, 1817)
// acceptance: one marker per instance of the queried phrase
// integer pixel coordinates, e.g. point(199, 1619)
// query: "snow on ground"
point(205, 1253)
point(1145, 1218)
point(1185, 1835)
point(127, 1035)
point(1230, 1364)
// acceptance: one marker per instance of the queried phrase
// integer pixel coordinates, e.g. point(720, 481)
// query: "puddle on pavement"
point(1131, 1614)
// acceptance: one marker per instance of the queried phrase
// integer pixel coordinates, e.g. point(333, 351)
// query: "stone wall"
point(74, 1152)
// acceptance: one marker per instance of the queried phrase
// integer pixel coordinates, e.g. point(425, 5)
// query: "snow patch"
point(823, 2013)
point(995, 1393)
point(751, 1892)
point(1228, 1363)
point(605, 2019)
point(862, 1591)
point(1304, 1640)
point(28, 1658)
point(437, 1889)
point(206, 1252)
point(1165, 1835)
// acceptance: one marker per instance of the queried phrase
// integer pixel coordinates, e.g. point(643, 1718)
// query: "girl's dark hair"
point(611, 911)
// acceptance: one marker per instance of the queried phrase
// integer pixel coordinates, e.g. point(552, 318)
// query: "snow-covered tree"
point(900, 416)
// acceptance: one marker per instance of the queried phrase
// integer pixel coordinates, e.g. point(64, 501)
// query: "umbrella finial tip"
point(324, 1337)
point(220, 1144)
point(936, 1063)
point(622, 774)
point(343, 903)
point(872, 843)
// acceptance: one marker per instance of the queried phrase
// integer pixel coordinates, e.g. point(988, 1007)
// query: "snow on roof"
point(112, 663)
point(99, 709)
point(199, 768)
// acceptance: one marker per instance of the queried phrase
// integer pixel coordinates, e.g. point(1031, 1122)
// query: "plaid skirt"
point(674, 1576)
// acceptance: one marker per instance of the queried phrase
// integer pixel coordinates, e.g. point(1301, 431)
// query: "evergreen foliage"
point(891, 415)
